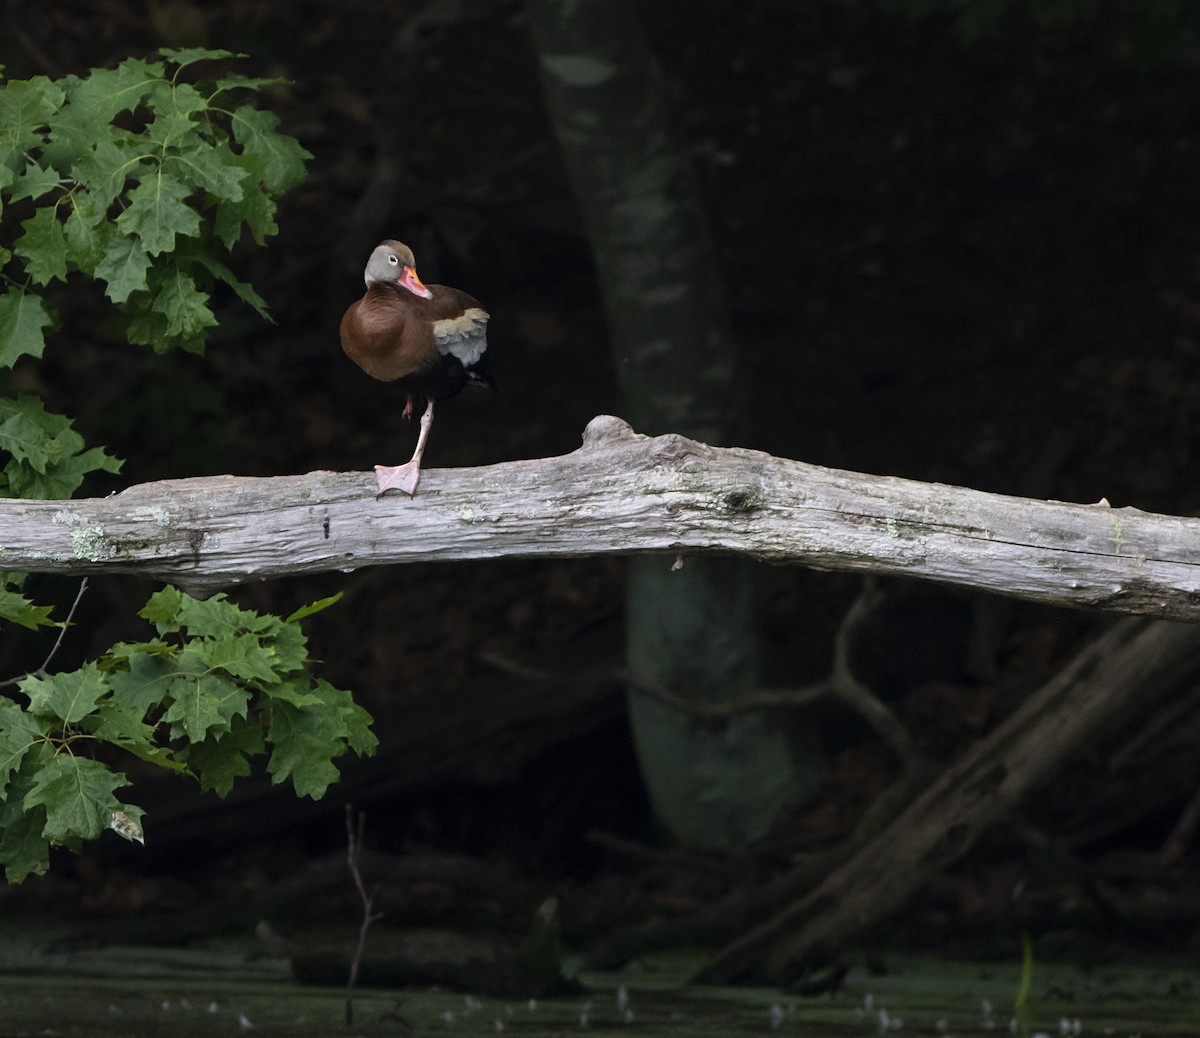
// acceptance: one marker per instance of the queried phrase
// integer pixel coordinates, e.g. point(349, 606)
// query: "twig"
point(354, 839)
point(62, 633)
point(840, 684)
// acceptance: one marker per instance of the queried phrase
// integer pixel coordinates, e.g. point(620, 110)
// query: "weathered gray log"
point(620, 493)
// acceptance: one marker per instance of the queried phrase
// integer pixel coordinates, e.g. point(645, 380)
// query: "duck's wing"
point(463, 336)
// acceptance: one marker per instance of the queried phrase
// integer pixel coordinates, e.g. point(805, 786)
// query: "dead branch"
point(621, 494)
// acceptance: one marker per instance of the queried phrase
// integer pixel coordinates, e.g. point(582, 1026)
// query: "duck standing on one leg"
point(431, 341)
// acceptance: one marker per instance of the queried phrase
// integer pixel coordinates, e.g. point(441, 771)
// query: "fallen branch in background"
point(1131, 668)
point(620, 494)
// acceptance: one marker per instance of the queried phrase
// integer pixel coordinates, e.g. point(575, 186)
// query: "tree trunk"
point(692, 631)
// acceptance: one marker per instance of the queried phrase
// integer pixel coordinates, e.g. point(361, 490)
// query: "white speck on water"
point(446, 1016)
point(622, 997)
point(628, 1017)
point(499, 1024)
point(244, 1022)
point(212, 1006)
point(985, 1007)
point(532, 1005)
point(776, 1015)
point(472, 1003)
point(941, 1024)
point(166, 1003)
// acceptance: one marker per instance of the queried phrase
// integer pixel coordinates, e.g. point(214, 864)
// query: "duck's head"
point(393, 262)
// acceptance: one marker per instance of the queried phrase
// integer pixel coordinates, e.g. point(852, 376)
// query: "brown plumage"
point(431, 341)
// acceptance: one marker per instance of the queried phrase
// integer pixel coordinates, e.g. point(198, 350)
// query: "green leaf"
point(48, 458)
point(304, 742)
point(22, 320)
point(296, 691)
point(20, 731)
point(242, 656)
point(88, 235)
point(212, 167)
point(202, 703)
point(279, 158)
point(62, 479)
point(78, 796)
point(34, 182)
point(24, 851)
point(18, 609)
point(157, 213)
point(217, 762)
point(356, 721)
point(103, 168)
point(43, 247)
point(314, 607)
point(169, 128)
point(237, 81)
point(183, 56)
point(184, 306)
point(216, 616)
point(221, 272)
point(124, 266)
point(256, 210)
point(163, 609)
point(104, 93)
point(145, 679)
point(69, 696)
point(28, 432)
point(25, 107)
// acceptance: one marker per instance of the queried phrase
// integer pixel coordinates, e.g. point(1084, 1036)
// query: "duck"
point(430, 340)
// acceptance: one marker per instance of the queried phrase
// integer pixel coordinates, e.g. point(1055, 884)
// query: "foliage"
point(142, 182)
point(218, 686)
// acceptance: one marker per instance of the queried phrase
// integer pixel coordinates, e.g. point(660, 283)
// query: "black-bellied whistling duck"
point(431, 341)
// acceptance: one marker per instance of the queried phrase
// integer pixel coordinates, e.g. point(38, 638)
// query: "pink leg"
point(405, 477)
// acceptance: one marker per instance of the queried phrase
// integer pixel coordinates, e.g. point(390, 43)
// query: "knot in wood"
point(605, 427)
point(673, 447)
point(741, 500)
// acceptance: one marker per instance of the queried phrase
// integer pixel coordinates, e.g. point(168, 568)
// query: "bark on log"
point(623, 494)
point(1132, 667)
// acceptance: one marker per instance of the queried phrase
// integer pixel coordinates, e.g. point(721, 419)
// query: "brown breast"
point(389, 332)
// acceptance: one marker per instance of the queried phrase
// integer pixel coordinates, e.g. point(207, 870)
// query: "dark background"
point(970, 263)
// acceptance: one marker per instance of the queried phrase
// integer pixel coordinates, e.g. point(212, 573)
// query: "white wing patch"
point(465, 337)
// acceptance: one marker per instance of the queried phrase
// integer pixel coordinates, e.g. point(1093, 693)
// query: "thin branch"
point(840, 685)
point(41, 671)
point(354, 842)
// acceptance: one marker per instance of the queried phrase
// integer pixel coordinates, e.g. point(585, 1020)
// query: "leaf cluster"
point(218, 686)
point(141, 180)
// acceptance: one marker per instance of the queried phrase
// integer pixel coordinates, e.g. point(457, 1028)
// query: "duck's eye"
point(392, 260)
